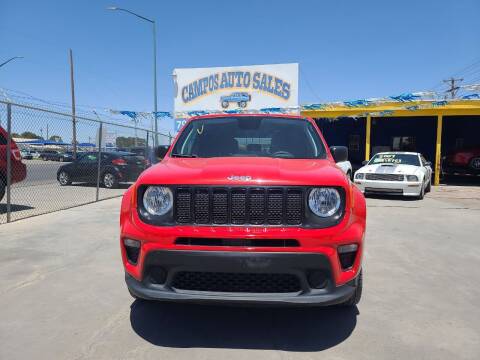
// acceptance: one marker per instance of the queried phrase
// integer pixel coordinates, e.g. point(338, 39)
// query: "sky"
point(346, 49)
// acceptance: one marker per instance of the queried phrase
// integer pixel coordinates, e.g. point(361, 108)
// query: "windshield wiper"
point(184, 155)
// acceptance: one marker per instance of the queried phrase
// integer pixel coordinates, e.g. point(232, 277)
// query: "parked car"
point(147, 152)
point(26, 155)
point(67, 156)
point(19, 170)
point(52, 155)
point(219, 220)
point(395, 173)
point(346, 167)
point(241, 98)
point(463, 161)
point(115, 168)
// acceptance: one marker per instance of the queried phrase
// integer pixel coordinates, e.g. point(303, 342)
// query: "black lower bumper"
point(236, 265)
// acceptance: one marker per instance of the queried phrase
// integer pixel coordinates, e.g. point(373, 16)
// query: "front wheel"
point(224, 104)
point(110, 181)
point(475, 163)
point(422, 193)
point(64, 178)
point(357, 295)
point(429, 186)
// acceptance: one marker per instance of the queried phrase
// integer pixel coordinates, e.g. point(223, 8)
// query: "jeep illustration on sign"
point(241, 98)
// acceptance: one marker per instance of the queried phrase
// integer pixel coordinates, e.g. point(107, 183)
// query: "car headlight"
point(324, 202)
point(412, 178)
point(359, 176)
point(158, 200)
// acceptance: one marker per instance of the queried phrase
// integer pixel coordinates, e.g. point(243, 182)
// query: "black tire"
point(3, 187)
point(225, 104)
point(109, 180)
point(475, 163)
point(64, 178)
point(357, 295)
point(422, 193)
point(242, 104)
point(429, 187)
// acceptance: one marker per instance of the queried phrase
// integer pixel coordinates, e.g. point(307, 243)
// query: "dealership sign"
point(240, 88)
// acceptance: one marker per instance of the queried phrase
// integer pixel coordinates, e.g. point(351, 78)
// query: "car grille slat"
point(202, 206)
point(183, 208)
point(239, 205)
point(384, 177)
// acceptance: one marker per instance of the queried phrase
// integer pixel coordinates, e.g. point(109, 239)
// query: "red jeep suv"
point(245, 209)
point(19, 170)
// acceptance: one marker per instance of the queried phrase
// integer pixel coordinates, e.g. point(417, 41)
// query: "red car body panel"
point(263, 172)
point(19, 169)
point(461, 161)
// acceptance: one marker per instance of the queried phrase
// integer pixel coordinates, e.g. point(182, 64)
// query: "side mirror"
point(364, 162)
point(161, 151)
point(428, 163)
point(339, 153)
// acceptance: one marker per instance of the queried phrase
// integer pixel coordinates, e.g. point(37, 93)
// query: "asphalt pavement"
point(40, 192)
point(63, 294)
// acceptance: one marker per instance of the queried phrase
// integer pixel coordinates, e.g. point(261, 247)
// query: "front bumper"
point(404, 188)
point(300, 265)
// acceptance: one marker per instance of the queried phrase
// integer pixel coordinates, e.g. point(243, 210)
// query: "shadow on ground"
point(459, 180)
point(288, 329)
point(14, 207)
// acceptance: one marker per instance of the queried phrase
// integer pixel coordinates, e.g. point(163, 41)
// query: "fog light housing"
point(317, 279)
point(132, 250)
point(157, 275)
point(346, 255)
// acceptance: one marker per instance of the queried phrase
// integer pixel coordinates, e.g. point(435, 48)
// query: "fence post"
point(9, 161)
point(99, 160)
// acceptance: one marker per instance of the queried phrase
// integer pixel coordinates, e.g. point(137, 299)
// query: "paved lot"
point(40, 192)
point(63, 296)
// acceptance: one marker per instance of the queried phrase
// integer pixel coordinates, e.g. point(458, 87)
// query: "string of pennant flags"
point(405, 98)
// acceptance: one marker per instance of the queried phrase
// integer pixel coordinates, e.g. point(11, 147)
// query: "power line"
point(453, 87)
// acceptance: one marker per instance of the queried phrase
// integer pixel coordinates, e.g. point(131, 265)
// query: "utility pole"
point(453, 88)
point(74, 120)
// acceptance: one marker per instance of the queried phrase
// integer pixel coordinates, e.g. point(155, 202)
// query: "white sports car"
point(395, 173)
point(346, 167)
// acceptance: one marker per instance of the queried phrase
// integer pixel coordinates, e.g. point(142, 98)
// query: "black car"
point(52, 155)
point(115, 168)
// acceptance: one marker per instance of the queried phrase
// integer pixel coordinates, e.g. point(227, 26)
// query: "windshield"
point(395, 159)
point(250, 137)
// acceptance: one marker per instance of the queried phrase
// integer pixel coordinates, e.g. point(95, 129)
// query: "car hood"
point(390, 169)
point(244, 171)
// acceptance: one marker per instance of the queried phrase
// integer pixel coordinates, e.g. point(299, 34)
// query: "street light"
point(11, 59)
point(114, 8)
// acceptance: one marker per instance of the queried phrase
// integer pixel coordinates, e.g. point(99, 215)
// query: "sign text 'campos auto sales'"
point(241, 88)
point(236, 80)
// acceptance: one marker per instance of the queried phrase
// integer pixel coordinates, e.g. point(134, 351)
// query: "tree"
point(30, 135)
point(56, 138)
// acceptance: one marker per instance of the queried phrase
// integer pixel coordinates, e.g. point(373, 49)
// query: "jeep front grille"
point(239, 205)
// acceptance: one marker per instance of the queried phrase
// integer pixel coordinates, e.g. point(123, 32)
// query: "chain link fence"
point(51, 161)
